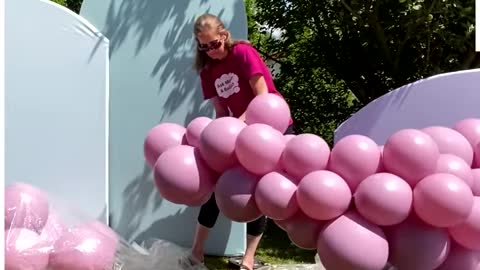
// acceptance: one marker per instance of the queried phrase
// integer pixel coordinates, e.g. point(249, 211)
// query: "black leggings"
point(209, 212)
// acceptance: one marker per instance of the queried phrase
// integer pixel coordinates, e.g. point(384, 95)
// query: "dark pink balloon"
point(442, 200)
point(217, 143)
point(448, 163)
point(182, 177)
point(354, 157)
point(195, 129)
point(303, 231)
point(25, 250)
point(467, 233)
point(476, 158)
point(452, 142)
point(235, 195)
point(275, 195)
point(460, 258)
point(384, 199)
point(304, 154)
point(25, 207)
point(351, 242)
point(476, 182)
point(270, 109)
point(411, 154)
point(415, 245)
point(161, 138)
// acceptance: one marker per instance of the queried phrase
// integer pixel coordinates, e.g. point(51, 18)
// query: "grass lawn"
point(275, 248)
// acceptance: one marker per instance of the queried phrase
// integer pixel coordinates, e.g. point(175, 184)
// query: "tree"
point(73, 5)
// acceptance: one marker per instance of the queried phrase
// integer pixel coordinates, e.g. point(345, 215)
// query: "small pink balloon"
point(304, 154)
point(415, 245)
point(354, 157)
point(235, 195)
point(259, 148)
point(448, 163)
point(25, 207)
point(384, 199)
point(275, 196)
point(217, 143)
point(351, 242)
point(270, 109)
point(288, 137)
point(195, 129)
point(470, 129)
point(83, 247)
point(381, 167)
point(450, 141)
point(25, 250)
point(442, 200)
point(161, 138)
point(303, 231)
point(182, 177)
point(411, 154)
point(460, 258)
point(476, 182)
point(476, 157)
point(323, 195)
point(467, 233)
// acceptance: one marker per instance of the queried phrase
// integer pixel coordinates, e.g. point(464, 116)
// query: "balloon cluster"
point(413, 202)
point(37, 238)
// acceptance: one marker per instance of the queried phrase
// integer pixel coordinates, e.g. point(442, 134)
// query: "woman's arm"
point(259, 86)
point(220, 109)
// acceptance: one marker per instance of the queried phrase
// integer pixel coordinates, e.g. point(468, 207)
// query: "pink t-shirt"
point(229, 78)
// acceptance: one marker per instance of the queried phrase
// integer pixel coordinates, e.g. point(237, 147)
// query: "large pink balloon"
point(84, 247)
point(25, 207)
point(270, 109)
point(467, 233)
point(460, 258)
point(259, 148)
point(450, 141)
point(415, 245)
point(235, 195)
point(470, 129)
point(476, 182)
point(288, 137)
point(354, 157)
point(182, 177)
point(217, 143)
point(323, 195)
point(384, 199)
point(350, 242)
point(442, 200)
point(195, 129)
point(24, 250)
point(304, 154)
point(275, 196)
point(448, 163)
point(160, 138)
point(411, 154)
point(303, 231)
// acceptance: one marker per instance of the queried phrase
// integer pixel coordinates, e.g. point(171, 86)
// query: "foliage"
point(73, 5)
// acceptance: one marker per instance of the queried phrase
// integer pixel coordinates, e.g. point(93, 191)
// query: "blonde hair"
point(207, 22)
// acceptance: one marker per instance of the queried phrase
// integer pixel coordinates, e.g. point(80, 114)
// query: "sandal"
point(257, 265)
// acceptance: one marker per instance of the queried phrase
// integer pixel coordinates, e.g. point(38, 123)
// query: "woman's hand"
point(258, 84)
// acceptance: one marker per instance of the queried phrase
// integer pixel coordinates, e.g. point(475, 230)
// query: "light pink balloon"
point(53, 229)
point(323, 195)
point(275, 196)
point(288, 137)
point(470, 129)
point(467, 233)
point(415, 245)
point(25, 250)
point(304, 154)
point(235, 195)
point(84, 247)
point(182, 177)
point(25, 207)
point(195, 129)
point(259, 148)
point(354, 157)
point(384, 199)
point(217, 143)
point(476, 182)
point(448, 163)
point(270, 109)
point(442, 200)
point(411, 154)
point(161, 138)
point(350, 242)
point(303, 231)
point(460, 258)
point(450, 141)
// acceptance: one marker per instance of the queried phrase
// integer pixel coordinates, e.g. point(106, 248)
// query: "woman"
point(232, 74)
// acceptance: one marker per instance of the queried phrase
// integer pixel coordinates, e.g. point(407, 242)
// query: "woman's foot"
point(191, 262)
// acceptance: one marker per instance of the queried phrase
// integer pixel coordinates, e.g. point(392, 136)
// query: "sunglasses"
point(212, 45)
